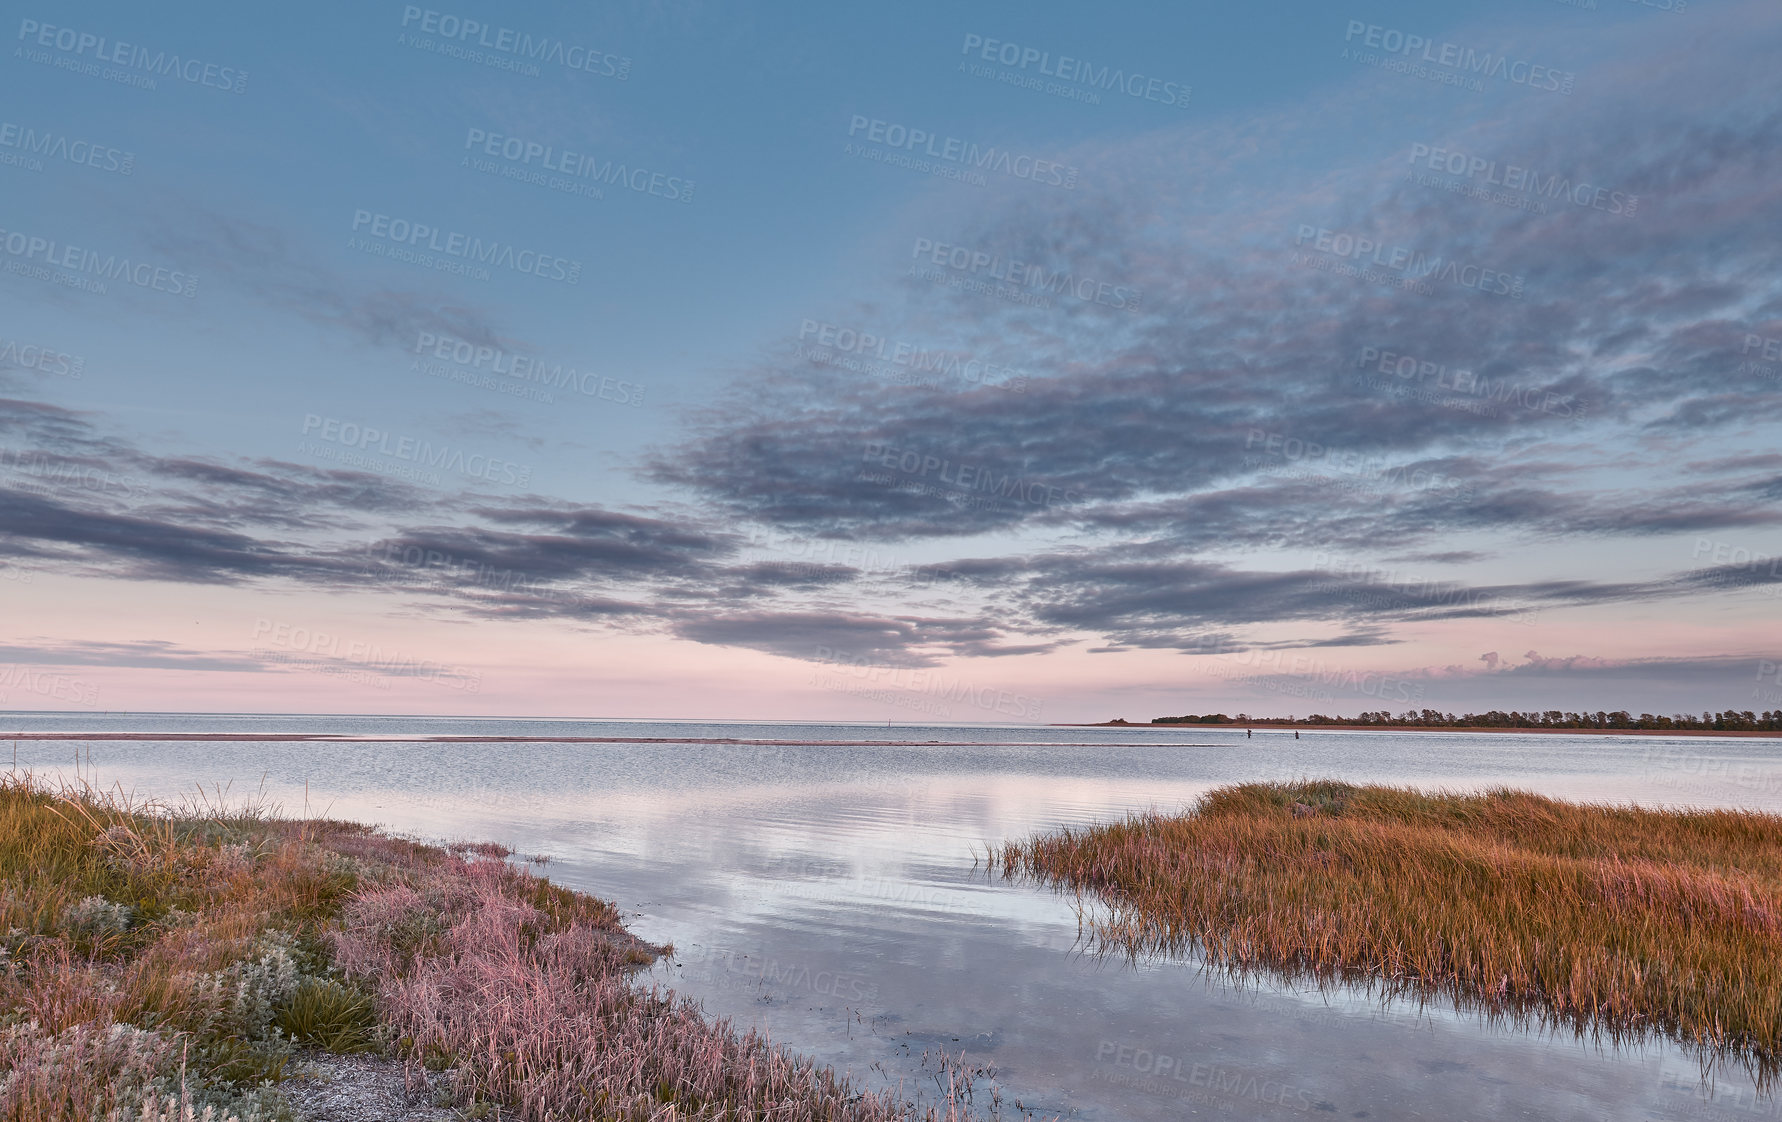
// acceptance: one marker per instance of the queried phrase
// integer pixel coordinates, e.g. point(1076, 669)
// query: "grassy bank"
point(162, 966)
point(1599, 917)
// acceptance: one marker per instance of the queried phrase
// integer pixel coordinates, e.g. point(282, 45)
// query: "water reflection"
point(828, 897)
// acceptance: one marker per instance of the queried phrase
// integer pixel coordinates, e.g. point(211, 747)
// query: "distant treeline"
point(1731, 720)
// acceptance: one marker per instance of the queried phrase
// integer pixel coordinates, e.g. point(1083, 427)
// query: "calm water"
point(827, 893)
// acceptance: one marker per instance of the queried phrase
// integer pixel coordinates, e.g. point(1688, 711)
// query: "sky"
point(908, 363)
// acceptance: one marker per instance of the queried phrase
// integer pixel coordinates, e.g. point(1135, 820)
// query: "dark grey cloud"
point(146, 653)
point(53, 531)
point(764, 577)
point(206, 521)
point(1443, 557)
point(49, 427)
point(277, 493)
point(1761, 461)
point(1627, 325)
point(851, 638)
point(565, 544)
point(1200, 607)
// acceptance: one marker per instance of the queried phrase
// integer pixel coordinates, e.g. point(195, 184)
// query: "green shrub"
point(330, 1015)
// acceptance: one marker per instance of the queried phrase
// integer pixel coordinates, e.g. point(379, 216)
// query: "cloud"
point(146, 653)
point(822, 636)
point(1581, 674)
point(1629, 323)
point(1245, 395)
point(260, 261)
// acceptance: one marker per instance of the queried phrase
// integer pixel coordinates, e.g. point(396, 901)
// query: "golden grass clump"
point(1613, 918)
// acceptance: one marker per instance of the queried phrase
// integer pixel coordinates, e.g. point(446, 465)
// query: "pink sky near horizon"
point(321, 652)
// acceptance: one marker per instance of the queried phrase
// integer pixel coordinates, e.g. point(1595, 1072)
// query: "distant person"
point(1296, 734)
point(1248, 734)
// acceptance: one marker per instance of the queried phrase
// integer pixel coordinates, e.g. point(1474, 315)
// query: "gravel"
point(363, 1088)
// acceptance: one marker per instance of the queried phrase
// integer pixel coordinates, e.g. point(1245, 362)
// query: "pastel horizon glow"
point(916, 365)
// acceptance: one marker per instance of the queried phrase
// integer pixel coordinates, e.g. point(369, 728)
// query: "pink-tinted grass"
point(128, 927)
point(542, 1016)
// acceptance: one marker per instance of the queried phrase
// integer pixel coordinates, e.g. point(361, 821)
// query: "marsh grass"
point(1609, 920)
point(328, 1015)
point(525, 992)
point(148, 954)
point(167, 963)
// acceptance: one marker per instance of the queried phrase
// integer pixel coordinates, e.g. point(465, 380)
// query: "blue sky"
point(1342, 358)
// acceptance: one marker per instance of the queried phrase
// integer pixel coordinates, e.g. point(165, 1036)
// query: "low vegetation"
point(1730, 720)
point(176, 967)
point(1609, 918)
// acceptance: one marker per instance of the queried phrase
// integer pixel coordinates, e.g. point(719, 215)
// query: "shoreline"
point(1771, 734)
point(457, 738)
point(258, 967)
point(465, 738)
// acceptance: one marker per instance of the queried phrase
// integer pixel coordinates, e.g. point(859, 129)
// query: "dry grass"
point(524, 991)
point(165, 964)
point(145, 955)
point(1605, 918)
